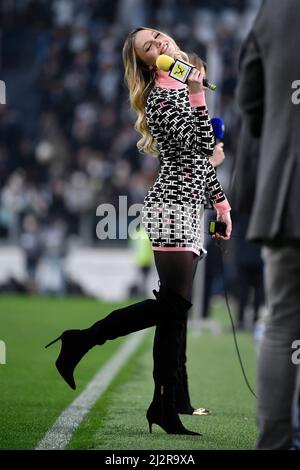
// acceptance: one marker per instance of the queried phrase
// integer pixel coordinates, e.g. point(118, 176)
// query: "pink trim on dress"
point(222, 207)
point(161, 248)
point(163, 80)
point(198, 99)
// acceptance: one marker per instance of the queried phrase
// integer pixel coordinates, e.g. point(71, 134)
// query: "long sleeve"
point(213, 187)
point(193, 127)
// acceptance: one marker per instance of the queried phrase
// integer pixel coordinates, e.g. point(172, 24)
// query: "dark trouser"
point(249, 277)
point(276, 374)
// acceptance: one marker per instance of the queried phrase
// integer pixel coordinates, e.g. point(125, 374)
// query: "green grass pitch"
point(33, 395)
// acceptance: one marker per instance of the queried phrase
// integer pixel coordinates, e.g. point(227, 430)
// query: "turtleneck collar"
point(163, 80)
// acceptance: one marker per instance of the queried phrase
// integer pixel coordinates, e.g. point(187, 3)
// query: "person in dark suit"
point(269, 69)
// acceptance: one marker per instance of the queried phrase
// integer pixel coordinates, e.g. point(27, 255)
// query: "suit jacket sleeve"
point(250, 91)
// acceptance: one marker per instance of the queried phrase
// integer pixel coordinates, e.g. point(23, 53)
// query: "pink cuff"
point(222, 207)
point(198, 99)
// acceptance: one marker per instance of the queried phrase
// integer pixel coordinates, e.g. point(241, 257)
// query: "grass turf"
point(33, 395)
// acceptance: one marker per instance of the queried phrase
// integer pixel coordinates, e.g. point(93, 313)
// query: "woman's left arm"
point(218, 198)
point(168, 121)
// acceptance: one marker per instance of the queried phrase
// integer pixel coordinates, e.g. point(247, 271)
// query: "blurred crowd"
point(67, 142)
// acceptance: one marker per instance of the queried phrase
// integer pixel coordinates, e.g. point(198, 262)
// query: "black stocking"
point(176, 270)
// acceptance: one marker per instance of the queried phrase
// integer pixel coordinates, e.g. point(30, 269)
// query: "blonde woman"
point(173, 122)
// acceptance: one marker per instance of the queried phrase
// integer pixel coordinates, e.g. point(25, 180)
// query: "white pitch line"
point(59, 435)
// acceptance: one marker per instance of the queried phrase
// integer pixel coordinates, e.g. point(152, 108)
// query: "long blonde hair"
point(140, 81)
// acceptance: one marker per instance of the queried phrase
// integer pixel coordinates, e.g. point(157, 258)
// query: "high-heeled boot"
point(182, 396)
point(162, 410)
point(76, 343)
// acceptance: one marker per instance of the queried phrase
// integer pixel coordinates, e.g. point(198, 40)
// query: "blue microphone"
point(218, 126)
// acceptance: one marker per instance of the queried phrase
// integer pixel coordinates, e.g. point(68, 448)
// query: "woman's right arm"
point(167, 120)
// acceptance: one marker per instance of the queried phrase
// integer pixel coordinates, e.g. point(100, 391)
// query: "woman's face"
point(150, 44)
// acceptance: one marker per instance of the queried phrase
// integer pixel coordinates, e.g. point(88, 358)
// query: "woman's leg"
point(183, 401)
point(175, 271)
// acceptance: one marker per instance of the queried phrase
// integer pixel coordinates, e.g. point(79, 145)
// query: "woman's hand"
point(227, 219)
point(195, 81)
point(218, 156)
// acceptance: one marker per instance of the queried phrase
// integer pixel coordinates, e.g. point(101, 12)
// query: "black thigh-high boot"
point(182, 396)
point(162, 410)
point(120, 322)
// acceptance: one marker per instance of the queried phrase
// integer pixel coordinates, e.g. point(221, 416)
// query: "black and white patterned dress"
point(173, 208)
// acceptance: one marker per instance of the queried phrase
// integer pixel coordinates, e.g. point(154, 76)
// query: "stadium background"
point(67, 145)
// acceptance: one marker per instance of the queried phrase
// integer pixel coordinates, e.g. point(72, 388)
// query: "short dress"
point(173, 209)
